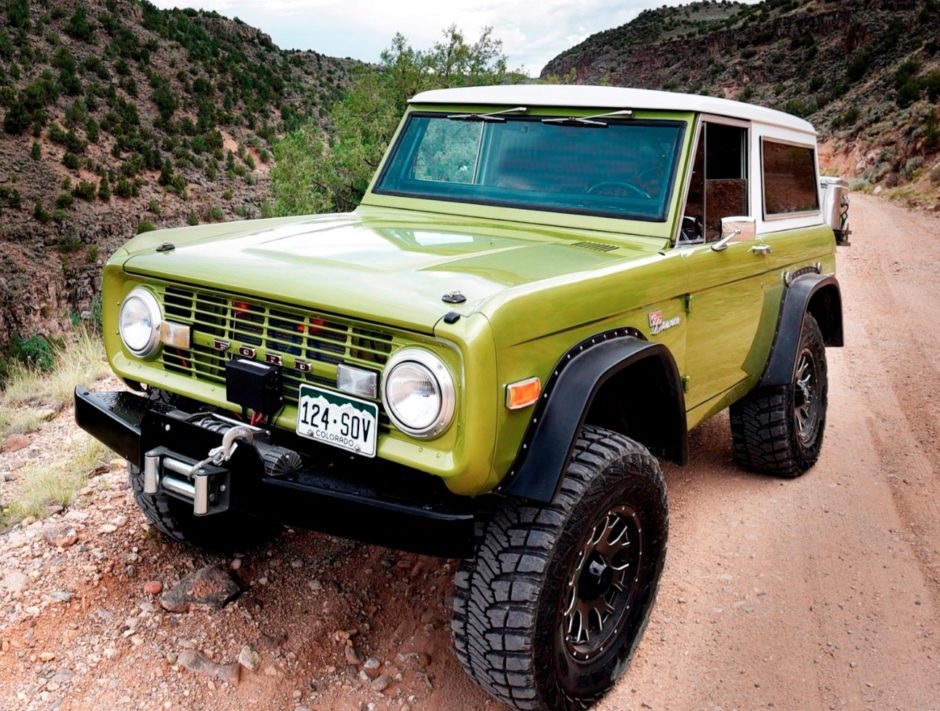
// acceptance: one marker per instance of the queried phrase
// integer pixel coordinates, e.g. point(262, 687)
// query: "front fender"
point(576, 380)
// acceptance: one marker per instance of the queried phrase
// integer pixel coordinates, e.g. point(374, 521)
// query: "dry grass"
point(53, 482)
point(32, 396)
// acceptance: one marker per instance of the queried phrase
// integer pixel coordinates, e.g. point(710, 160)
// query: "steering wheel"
point(692, 231)
point(593, 190)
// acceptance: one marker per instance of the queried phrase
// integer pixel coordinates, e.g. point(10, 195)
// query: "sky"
point(531, 32)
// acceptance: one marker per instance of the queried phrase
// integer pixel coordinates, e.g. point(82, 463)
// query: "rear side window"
point(789, 174)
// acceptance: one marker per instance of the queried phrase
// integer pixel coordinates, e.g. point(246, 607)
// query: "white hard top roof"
point(608, 97)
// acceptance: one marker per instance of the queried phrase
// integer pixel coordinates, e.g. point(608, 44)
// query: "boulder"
point(208, 588)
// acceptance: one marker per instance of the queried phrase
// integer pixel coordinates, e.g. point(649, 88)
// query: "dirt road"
point(819, 593)
point(824, 592)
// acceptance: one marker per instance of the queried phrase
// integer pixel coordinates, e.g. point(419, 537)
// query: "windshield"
point(614, 168)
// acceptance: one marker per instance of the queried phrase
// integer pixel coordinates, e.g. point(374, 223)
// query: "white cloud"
point(532, 32)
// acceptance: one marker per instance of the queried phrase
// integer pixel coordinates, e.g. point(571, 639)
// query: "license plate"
point(342, 421)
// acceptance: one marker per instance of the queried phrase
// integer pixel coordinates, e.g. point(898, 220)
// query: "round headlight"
point(139, 322)
point(418, 392)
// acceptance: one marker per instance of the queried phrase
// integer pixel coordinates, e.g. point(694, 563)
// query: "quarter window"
point(789, 174)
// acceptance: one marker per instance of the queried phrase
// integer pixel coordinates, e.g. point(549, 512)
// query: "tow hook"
point(222, 453)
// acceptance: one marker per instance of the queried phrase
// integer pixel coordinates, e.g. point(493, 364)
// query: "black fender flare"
point(566, 400)
point(797, 302)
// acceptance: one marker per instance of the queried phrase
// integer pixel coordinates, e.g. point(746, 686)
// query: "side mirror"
point(735, 229)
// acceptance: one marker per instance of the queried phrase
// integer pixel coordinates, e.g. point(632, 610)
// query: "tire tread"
point(495, 604)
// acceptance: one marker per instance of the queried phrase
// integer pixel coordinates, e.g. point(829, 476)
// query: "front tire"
point(219, 533)
point(549, 611)
point(779, 431)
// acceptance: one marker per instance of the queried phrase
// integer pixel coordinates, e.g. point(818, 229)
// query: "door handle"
point(761, 249)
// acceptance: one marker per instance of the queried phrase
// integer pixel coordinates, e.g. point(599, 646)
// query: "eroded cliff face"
point(117, 117)
point(865, 72)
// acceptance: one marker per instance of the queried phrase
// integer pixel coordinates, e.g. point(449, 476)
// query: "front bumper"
point(365, 499)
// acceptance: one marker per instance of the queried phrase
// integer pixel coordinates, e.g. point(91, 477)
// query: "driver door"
point(725, 287)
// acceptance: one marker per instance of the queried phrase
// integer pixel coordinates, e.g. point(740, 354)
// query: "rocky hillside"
point(865, 72)
point(117, 117)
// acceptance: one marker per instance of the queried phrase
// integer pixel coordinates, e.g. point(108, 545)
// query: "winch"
point(207, 482)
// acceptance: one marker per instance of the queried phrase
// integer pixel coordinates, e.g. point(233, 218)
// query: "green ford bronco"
point(543, 290)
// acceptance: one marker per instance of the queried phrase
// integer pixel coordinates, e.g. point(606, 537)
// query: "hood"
point(388, 266)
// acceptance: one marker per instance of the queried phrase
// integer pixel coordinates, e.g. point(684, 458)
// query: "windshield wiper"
point(587, 120)
point(492, 116)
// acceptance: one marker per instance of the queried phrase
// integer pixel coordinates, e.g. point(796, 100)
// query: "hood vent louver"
point(596, 246)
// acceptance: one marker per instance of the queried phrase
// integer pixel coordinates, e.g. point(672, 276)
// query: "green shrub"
point(165, 99)
point(911, 167)
point(40, 212)
point(69, 82)
point(64, 201)
point(62, 59)
point(85, 190)
point(846, 119)
point(70, 161)
point(799, 108)
point(29, 107)
point(69, 243)
point(145, 226)
point(36, 151)
point(153, 207)
point(78, 26)
point(178, 185)
point(17, 13)
point(104, 188)
point(35, 352)
point(91, 130)
point(859, 64)
point(126, 189)
point(10, 197)
point(904, 73)
point(931, 131)
point(192, 219)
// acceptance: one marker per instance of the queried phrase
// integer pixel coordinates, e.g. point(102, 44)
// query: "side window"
point(718, 186)
point(789, 176)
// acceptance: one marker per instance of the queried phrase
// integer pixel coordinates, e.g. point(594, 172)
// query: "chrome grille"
point(317, 342)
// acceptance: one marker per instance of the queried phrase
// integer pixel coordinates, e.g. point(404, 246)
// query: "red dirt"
point(823, 592)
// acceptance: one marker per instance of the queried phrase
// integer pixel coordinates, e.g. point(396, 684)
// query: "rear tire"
point(219, 533)
point(549, 611)
point(779, 431)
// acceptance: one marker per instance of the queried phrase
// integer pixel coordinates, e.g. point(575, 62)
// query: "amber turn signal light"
point(177, 335)
point(523, 393)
